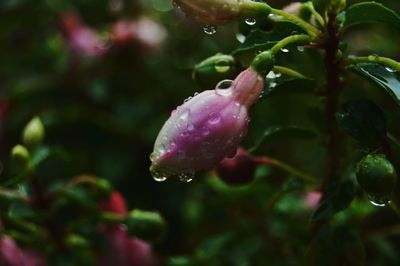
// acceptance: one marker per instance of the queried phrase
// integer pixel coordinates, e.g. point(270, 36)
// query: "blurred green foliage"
point(102, 114)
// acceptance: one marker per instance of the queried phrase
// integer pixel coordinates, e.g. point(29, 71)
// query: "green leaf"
point(338, 197)
point(364, 121)
point(370, 12)
point(259, 40)
point(380, 76)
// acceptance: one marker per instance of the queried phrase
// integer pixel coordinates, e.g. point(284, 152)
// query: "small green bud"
point(33, 133)
point(146, 225)
point(76, 241)
point(376, 175)
point(20, 155)
point(264, 62)
point(103, 187)
point(214, 69)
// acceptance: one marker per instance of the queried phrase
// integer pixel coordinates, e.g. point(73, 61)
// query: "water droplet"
point(285, 50)
point(205, 131)
point(158, 176)
point(223, 87)
point(214, 118)
point(250, 21)
point(190, 126)
point(222, 66)
point(184, 115)
point(389, 69)
point(186, 177)
point(378, 201)
point(175, 4)
point(188, 99)
point(210, 29)
point(153, 157)
point(272, 84)
point(271, 75)
point(195, 94)
point(240, 37)
point(300, 48)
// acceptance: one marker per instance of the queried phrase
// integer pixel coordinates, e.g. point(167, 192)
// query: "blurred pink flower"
point(83, 40)
point(206, 128)
point(115, 204)
point(145, 31)
point(12, 255)
point(312, 199)
point(122, 250)
point(119, 248)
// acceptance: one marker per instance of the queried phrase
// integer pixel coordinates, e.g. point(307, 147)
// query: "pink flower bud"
point(206, 128)
point(122, 250)
point(238, 170)
point(217, 11)
point(10, 253)
point(115, 204)
point(145, 31)
point(211, 11)
point(312, 199)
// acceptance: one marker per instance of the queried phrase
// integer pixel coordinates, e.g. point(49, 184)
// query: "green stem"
point(289, 72)
point(264, 61)
point(289, 169)
point(374, 59)
point(310, 29)
point(317, 16)
point(288, 40)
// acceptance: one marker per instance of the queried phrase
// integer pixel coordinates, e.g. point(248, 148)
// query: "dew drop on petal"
point(250, 21)
point(214, 118)
point(210, 29)
point(223, 87)
point(186, 177)
point(184, 115)
point(158, 176)
point(378, 201)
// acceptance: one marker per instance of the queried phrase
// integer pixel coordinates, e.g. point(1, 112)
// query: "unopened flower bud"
point(206, 128)
point(10, 253)
point(146, 225)
point(20, 155)
point(221, 11)
point(115, 203)
point(376, 176)
point(237, 170)
point(213, 69)
point(33, 133)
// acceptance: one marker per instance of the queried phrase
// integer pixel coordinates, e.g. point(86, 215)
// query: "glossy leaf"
point(364, 121)
point(380, 76)
point(370, 12)
point(259, 40)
